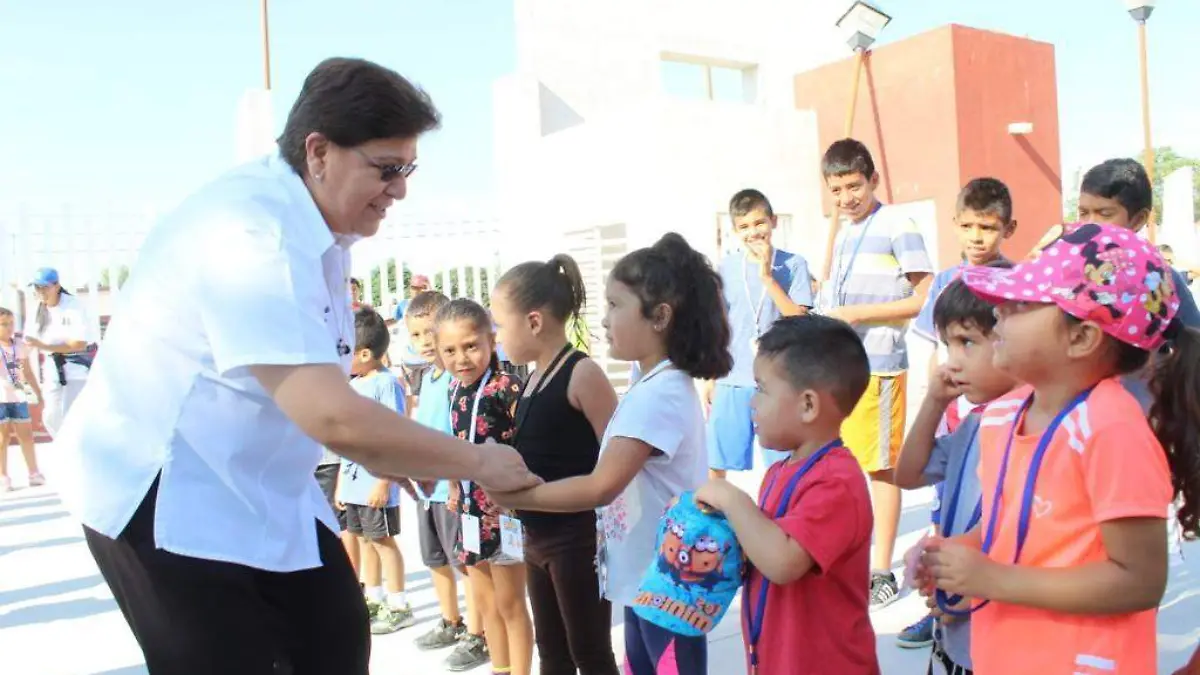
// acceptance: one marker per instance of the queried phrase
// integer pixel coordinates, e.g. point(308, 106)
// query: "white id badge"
point(470, 533)
point(512, 538)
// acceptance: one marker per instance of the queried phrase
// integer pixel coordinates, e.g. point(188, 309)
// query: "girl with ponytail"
point(561, 416)
point(664, 310)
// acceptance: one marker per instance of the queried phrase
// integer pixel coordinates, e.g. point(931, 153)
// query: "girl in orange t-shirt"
point(1069, 563)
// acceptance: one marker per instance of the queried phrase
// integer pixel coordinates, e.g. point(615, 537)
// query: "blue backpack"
point(696, 572)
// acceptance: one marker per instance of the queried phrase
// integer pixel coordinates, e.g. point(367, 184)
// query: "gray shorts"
point(373, 523)
point(437, 528)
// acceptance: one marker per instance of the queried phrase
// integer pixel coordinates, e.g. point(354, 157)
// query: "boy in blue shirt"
point(761, 284)
point(437, 526)
point(372, 505)
point(965, 324)
point(983, 220)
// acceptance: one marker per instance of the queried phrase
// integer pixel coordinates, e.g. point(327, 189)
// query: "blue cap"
point(46, 276)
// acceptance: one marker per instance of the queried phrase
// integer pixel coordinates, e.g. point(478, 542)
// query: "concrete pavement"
point(57, 617)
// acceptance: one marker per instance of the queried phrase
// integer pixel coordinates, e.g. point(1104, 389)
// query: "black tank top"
point(554, 438)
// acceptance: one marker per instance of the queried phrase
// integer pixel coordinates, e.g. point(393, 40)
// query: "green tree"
point(447, 282)
point(392, 281)
point(1166, 162)
point(122, 277)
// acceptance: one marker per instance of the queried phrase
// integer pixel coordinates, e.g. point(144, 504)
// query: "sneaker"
point(471, 653)
point(884, 590)
point(389, 620)
point(373, 608)
point(918, 635)
point(5, 484)
point(444, 634)
point(36, 479)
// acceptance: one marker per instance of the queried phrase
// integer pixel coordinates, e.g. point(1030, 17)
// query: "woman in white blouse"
point(223, 372)
point(59, 332)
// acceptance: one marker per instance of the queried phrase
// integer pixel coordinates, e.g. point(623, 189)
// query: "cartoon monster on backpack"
point(696, 573)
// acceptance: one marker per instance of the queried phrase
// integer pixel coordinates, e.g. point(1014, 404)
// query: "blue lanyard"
point(839, 295)
point(945, 603)
point(952, 507)
point(755, 618)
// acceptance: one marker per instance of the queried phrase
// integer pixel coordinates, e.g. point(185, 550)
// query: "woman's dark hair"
point(42, 316)
point(466, 309)
point(350, 102)
point(555, 285)
point(1175, 419)
point(672, 273)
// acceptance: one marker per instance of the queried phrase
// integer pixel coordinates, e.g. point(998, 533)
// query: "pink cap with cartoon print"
point(1099, 273)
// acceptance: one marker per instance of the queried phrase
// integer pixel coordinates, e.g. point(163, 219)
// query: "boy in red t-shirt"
point(808, 539)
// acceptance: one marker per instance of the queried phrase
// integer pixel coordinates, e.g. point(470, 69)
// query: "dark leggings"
point(197, 617)
point(572, 623)
point(650, 650)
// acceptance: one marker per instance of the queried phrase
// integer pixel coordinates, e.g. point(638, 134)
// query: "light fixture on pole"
point(862, 22)
point(1140, 10)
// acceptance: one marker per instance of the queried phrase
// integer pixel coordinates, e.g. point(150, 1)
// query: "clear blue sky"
point(136, 99)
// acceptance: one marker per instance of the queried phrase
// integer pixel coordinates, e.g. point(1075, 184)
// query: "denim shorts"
point(14, 412)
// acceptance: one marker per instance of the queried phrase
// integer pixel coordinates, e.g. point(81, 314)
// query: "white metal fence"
point(92, 250)
point(95, 250)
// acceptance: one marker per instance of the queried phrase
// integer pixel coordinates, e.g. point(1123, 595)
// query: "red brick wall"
point(934, 110)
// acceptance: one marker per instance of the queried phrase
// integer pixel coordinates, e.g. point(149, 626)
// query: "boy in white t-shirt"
point(665, 312)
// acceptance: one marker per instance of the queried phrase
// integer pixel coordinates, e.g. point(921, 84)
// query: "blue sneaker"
point(918, 635)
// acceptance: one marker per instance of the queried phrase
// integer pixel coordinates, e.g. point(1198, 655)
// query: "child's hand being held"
point(959, 569)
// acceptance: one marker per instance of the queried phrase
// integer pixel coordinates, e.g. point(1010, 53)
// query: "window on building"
point(699, 79)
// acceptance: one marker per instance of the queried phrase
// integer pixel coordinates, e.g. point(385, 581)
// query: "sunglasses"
point(388, 172)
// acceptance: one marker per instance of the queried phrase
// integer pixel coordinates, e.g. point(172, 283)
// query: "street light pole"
point(862, 22)
point(266, 47)
point(1140, 10)
point(852, 105)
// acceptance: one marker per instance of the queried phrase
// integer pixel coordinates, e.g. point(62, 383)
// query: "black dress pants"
point(203, 617)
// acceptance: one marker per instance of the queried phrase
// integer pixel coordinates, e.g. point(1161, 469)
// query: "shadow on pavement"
point(127, 670)
point(33, 518)
point(30, 502)
point(55, 611)
point(50, 589)
point(45, 543)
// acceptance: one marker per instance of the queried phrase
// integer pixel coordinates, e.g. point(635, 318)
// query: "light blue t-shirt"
point(750, 308)
point(955, 460)
point(433, 411)
point(357, 483)
point(924, 325)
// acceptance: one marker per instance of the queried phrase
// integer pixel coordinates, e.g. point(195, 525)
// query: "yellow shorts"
point(874, 431)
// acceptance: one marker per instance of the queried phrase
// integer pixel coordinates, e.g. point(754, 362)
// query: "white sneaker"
point(5, 484)
point(36, 479)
